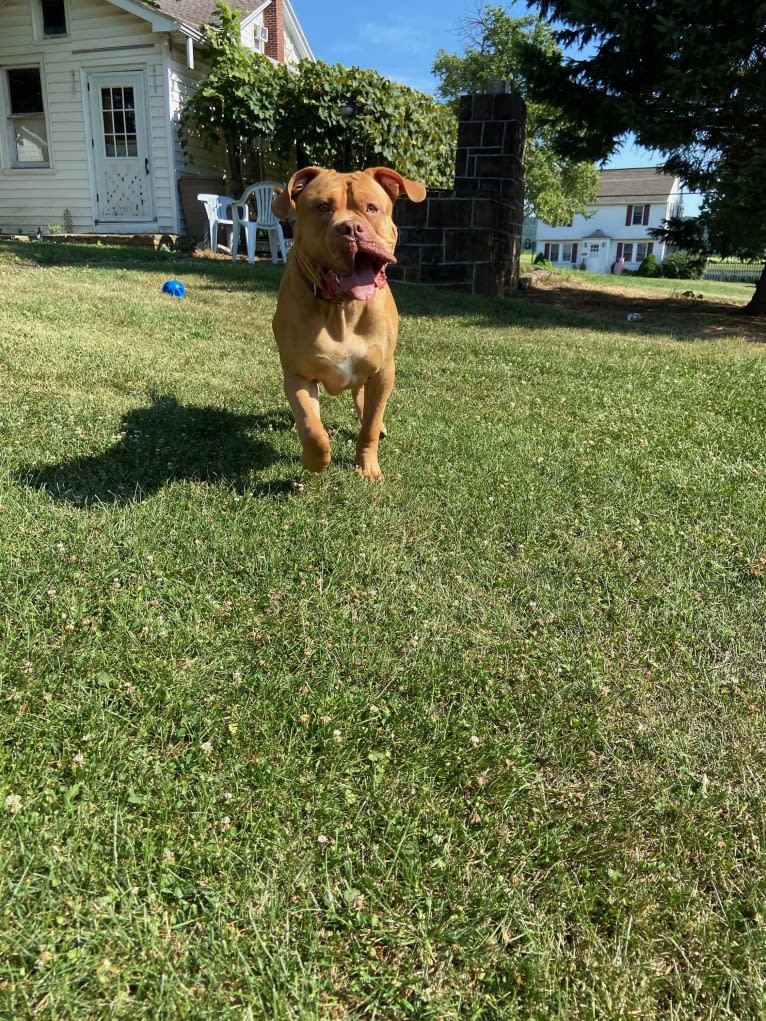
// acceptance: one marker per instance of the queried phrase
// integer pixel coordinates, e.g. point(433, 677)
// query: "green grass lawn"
point(484, 740)
point(711, 290)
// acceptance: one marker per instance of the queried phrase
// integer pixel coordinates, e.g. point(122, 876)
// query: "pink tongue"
point(361, 283)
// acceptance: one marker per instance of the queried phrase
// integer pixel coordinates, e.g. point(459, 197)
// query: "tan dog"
point(336, 322)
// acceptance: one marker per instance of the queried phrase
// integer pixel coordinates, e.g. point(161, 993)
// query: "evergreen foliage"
point(688, 79)
point(650, 267)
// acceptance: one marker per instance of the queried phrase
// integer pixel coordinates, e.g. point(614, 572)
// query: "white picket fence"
point(731, 270)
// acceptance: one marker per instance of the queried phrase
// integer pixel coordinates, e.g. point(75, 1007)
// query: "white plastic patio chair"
point(218, 208)
point(262, 195)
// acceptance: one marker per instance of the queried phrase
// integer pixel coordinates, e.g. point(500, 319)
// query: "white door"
point(596, 257)
point(120, 144)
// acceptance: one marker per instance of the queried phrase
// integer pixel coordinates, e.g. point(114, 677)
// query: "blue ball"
point(175, 288)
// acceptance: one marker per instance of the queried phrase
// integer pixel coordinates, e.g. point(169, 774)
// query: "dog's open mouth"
point(367, 277)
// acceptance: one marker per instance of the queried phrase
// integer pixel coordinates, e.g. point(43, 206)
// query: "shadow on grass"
point(167, 442)
point(559, 302)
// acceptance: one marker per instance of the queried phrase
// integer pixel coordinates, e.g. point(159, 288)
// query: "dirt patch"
point(682, 314)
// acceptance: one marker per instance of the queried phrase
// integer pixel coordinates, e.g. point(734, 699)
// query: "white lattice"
point(124, 192)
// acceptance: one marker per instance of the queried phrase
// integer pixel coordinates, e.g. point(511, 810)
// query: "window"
point(54, 17)
point(563, 251)
point(635, 252)
point(260, 38)
point(637, 216)
point(27, 125)
point(118, 110)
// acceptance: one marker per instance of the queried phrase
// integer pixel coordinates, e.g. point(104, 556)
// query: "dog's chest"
point(349, 372)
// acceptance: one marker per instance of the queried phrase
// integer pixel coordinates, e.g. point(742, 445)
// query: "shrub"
point(542, 262)
point(650, 267)
point(683, 266)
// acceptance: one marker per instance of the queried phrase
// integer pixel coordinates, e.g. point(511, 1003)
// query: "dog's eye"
point(371, 208)
point(324, 207)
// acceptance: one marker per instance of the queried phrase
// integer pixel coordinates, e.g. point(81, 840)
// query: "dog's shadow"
point(162, 443)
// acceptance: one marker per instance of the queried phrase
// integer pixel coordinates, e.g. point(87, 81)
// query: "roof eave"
point(158, 21)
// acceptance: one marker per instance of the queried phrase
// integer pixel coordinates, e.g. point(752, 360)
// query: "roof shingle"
point(199, 12)
point(634, 183)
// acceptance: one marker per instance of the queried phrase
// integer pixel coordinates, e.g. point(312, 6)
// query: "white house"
point(90, 95)
point(616, 226)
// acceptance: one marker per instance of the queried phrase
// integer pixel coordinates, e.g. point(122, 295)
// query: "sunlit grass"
point(484, 740)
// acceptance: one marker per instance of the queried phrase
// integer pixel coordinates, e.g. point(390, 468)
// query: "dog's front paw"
point(315, 460)
point(369, 468)
point(316, 452)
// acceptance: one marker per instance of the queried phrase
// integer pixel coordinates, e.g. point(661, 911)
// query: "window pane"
point(119, 122)
point(26, 90)
point(54, 17)
point(31, 137)
point(638, 215)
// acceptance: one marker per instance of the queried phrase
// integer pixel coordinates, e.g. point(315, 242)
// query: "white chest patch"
point(348, 373)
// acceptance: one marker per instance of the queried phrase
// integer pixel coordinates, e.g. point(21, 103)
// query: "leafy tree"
point(235, 107)
point(247, 104)
point(557, 186)
point(688, 79)
point(340, 116)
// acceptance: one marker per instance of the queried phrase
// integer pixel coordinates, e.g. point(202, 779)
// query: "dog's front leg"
point(376, 393)
point(303, 395)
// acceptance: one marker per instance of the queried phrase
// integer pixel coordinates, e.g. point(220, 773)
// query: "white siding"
point(101, 38)
point(195, 161)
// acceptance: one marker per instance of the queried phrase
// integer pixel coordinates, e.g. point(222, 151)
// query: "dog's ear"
point(285, 199)
point(397, 185)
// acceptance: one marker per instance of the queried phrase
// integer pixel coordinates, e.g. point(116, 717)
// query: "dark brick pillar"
point(469, 238)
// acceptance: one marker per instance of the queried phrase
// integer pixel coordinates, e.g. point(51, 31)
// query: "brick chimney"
point(274, 20)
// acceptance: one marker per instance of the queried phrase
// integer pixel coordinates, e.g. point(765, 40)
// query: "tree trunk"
point(757, 304)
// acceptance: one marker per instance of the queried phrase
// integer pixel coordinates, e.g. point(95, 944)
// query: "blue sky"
point(399, 39)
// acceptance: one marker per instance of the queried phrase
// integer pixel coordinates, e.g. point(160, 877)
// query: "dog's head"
point(344, 232)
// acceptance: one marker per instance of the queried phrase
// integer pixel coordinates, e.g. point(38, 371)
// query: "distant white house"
point(90, 96)
point(616, 226)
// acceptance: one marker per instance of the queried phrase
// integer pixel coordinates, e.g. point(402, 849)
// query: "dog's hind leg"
point(377, 390)
point(303, 395)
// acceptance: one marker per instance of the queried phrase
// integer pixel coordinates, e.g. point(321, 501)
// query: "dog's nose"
point(352, 229)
